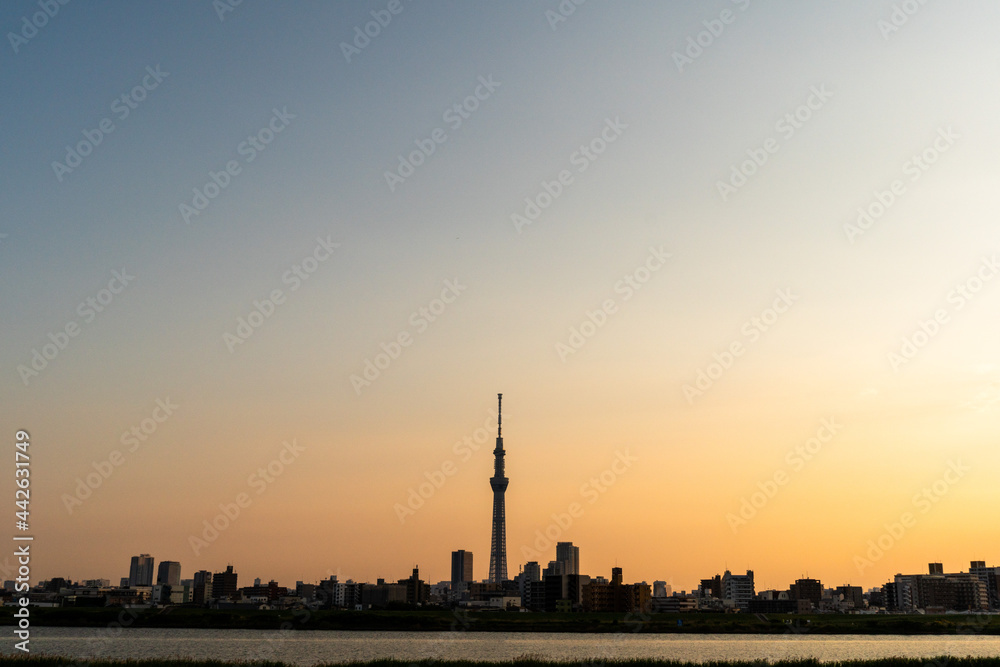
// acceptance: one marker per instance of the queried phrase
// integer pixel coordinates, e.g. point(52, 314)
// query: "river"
point(304, 647)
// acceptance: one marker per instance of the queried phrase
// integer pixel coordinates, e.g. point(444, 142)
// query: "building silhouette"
point(614, 595)
point(381, 595)
point(169, 573)
point(417, 591)
point(738, 589)
point(270, 591)
point(224, 584)
point(202, 590)
point(554, 568)
point(569, 556)
point(461, 568)
point(498, 545)
point(140, 572)
point(990, 577)
point(851, 595)
point(806, 589)
point(530, 577)
point(711, 587)
point(941, 591)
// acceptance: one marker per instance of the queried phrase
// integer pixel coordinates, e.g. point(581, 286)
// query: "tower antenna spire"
point(499, 413)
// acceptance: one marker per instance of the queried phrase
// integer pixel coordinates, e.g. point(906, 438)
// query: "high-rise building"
point(531, 574)
point(889, 598)
point(569, 556)
point(140, 572)
point(417, 592)
point(169, 573)
point(224, 584)
point(461, 568)
point(498, 546)
point(553, 569)
point(202, 589)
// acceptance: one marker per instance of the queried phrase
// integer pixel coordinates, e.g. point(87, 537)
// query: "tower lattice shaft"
point(498, 546)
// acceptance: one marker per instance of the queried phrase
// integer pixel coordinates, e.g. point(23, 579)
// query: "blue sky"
point(878, 98)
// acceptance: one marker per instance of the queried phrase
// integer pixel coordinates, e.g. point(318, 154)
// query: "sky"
point(264, 268)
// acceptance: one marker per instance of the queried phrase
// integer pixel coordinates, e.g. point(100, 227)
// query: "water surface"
point(311, 647)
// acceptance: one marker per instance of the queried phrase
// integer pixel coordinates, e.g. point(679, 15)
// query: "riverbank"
point(447, 621)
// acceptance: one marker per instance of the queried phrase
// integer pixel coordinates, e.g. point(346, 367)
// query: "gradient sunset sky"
point(637, 272)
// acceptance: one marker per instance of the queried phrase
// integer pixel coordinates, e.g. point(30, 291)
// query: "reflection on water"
point(313, 647)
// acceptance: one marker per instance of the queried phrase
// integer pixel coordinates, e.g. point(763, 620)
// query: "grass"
point(526, 661)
